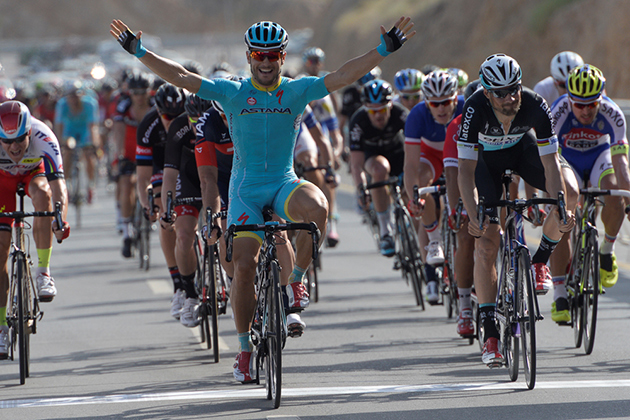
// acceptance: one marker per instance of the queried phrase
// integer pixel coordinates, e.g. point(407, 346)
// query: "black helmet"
point(139, 80)
point(196, 106)
point(376, 92)
point(170, 100)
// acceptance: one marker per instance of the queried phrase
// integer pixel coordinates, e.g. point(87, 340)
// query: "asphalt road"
point(108, 348)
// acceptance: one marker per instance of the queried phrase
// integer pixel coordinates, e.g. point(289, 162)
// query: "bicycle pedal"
point(495, 365)
point(541, 292)
point(295, 331)
point(565, 323)
point(46, 298)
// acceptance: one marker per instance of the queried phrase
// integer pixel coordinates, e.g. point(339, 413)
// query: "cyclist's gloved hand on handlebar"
point(166, 221)
point(564, 227)
point(452, 220)
point(331, 177)
point(61, 234)
point(416, 208)
point(537, 221)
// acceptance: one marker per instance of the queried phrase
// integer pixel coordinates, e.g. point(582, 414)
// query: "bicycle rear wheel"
point(526, 313)
point(451, 297)
point(215, 272)
point(589, 291)
point(273, 359)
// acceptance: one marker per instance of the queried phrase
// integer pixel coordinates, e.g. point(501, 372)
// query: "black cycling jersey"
point(180, 155)
point(151, 139)
point(351, 101)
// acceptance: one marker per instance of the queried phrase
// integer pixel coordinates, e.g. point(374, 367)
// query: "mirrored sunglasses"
point(272, 56)
point(579, 105)
point(445, 102)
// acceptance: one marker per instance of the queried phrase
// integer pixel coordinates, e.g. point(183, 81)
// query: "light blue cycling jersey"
point(77, 125)
point(264, 123)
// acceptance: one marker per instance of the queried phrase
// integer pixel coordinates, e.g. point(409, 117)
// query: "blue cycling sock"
point(296, 275)
point(244, 341)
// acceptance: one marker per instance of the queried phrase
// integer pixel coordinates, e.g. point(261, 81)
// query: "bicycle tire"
point(215, 269)
point(145, 240)
point(23, 339)
point(273, 360)
point(526, 312)
point(410, 257)
point(202, 286)
point(589, 291)
point(77, 195)
point(371, 220)
point(451, 296)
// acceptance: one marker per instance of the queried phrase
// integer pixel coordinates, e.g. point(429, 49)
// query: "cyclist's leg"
point(379, 168)
point(612, 216)
point(185, 228)
point(430, 168)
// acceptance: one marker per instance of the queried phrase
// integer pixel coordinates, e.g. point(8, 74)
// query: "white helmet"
point(499, 71)
point(439, 83)
point(562, 63)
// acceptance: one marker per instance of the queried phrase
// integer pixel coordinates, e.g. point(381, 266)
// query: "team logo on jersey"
point(266, 111)
point(251, 101)
point(199, 149)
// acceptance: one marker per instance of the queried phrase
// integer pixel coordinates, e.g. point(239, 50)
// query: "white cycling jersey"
point(547, 89)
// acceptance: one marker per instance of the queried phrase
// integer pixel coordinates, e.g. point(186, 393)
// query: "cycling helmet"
point(196, 106)
point(471, 88)
point(462, 76)
point(408, 80)
point(375, 73)
point(72, 87)
point(562, 63)
point(15, 120)
point(138, 80)
point(223, 66)
point(193, 66)
point(170, 100)
point(439, 83)
point(499, 71)
point(376, 92)
point(314, 52)
point(266, 36)
point(585, 83)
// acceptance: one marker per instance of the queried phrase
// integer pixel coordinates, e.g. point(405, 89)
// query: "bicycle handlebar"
point(595, 192)
point(271, 227)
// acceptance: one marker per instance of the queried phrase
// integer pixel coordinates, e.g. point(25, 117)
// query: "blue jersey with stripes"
point(421, 127)
point(264, 122)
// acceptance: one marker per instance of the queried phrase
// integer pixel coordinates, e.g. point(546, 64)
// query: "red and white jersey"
point(43, 147)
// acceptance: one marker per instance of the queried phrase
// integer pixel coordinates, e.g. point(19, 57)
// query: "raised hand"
point(396, 37)
point(127, 39)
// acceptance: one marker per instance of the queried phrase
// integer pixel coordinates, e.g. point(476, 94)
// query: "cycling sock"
point(486, 317)
point(545, 249)
point(296, 275)
point(188, 284)
point(176, 277)
point(384, 219)
point(43, 257)
point(3, 316)
point(429, 272)
point(464, 297)
point(559, 290)
point(608, 245)
point(245, 341)
point(606, 262)
point(125, 226)
point(432, 231)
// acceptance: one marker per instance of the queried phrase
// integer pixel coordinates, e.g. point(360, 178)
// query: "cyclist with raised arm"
point(77, 117)
point(554, 86)
point(496, 134)
point(30, 155)
point(151, 142)
point(264, 113)
point(377, 148)
point(424, 140)
point(591, 131)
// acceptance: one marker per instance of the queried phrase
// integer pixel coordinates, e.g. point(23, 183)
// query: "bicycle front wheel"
point(23, 317)
point(215, 272)
point(273, 360)
point(526, 313)
point(410, 258)
point(589, 292)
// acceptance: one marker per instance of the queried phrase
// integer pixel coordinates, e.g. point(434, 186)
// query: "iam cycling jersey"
point(214, 147)
point(264, 123)
point(123, 115)
point(78, 125)
point(588, 148)
point(180, 155)
point(480, 126)
point(43, 149)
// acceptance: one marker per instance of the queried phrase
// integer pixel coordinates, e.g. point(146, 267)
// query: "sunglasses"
point(15, 140)
point(192, 120)
point(591, 105)
point(272, 56)
point(168, 117)
point(502, 93)
point(445, 102)
point(410, 96)
point(138, 91)
point(380, 110)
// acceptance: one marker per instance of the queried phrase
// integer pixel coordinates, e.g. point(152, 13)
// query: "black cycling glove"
point(391, 41)
point(131, 44)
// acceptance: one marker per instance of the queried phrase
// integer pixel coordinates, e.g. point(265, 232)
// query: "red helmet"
point(15, 120)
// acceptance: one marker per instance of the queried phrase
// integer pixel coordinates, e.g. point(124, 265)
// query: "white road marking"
point(304, 392)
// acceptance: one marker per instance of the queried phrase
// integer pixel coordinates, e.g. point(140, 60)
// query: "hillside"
point(451, 33)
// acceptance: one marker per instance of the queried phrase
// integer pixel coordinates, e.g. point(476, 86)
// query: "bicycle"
point(269, 330)
point(212, 288)
point(76, 193)
point(517, 307)
point(23, 302)
point(448, 286)
point(408, 256)
point(582, 279)
point(142, 227)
